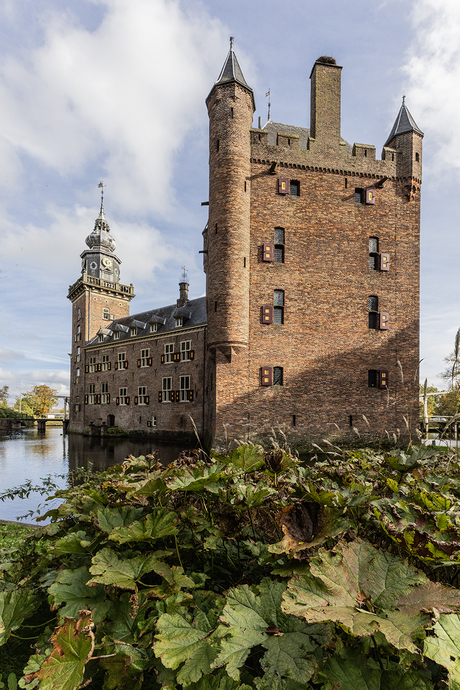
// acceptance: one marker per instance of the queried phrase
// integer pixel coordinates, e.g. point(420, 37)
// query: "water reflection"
point(26, 454)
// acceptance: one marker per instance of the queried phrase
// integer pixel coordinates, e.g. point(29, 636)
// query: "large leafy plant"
point(248, 571)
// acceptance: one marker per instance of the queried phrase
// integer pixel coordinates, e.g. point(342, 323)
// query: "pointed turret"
point(403, 123)
point(231, 109)
point(231, 73)
point(406, 138)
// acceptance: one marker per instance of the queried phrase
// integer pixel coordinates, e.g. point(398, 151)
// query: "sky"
point(115, 90)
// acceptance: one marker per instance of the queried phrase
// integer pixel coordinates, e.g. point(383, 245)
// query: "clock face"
point(106, 262)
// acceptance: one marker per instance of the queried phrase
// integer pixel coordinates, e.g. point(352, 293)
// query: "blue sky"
point(115, 90)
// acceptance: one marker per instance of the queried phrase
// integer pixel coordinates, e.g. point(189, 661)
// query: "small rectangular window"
point(106, 314)
point(168, 352)
point(153, 327)
point(278, 308)
point(359, 193)
point(184, 388)
point(166, 389)
point(145, 355)
point(294, 188)
point(279, 245)
point(123, 396)
point(105, 363)
point(277, 376)
point(92, 364)
point(373, 244)
point(178, 322)
point(91, 393)
point(185, 348)
point(279, 235)
point(372, 378)
point(142, 395)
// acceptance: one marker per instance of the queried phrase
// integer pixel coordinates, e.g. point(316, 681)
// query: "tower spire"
point(102, 185)
point(404, 123)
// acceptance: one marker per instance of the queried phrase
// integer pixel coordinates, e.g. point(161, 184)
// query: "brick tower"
point(227, 238)
point(312, 268)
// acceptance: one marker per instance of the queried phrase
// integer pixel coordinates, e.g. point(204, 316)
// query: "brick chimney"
point(325, 103)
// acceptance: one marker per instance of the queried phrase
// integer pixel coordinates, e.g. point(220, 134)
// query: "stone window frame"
point(123, 396)
point(166, 389)
point(142, 395)
point(184, 388)
point(185, 348)
point(168, 350)
point(145, 355)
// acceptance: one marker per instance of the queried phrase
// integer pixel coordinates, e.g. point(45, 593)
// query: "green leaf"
point(254, 617)
point(180, 641)
point(247, 457)
point(198, 479)
point(108, 569)
point(349, 669)
point(111, 517)
point(70, 588)
point(73, 646)
point(14, 607)
point(359, 587)
point(75, 542)
point(160, 523)
point(444, 646)
point(218, 681)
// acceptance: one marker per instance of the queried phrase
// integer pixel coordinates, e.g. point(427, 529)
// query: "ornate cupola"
point(99, 259)
point(97, 296)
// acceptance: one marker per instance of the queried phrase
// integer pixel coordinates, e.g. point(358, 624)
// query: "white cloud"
point(125, 96)
point(433, 67)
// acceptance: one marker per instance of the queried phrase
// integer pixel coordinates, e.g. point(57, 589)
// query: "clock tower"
point(97, 297)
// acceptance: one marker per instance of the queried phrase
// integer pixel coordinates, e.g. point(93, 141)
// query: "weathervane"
point(267, 95)
point(102, 185)
point(184, 277)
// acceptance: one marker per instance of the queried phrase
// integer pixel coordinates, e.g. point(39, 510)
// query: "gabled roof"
point(404, 123)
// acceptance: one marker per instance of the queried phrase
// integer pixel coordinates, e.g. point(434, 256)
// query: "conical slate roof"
point(231, 71)
point(404, 123)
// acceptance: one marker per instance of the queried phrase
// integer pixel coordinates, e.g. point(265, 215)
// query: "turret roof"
point(404, 123)
point(231, 71)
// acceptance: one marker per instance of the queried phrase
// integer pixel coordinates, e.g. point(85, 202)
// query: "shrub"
point(246, 571)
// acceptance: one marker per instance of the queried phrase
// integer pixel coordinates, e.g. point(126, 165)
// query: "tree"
point(4, 395)
point(432, 400)
point(40, 399)
point(450, 403)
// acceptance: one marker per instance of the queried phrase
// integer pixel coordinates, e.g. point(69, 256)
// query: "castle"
point(310, 322)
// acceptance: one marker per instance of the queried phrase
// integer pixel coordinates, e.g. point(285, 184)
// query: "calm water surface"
point(26, 454)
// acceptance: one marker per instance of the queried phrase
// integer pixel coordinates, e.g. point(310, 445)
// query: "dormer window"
point(178, 321)
point(153, 327)
point(116, 335)
point(100, 338)
point(133, 330)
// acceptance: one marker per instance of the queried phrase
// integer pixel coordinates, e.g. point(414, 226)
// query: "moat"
point(30, 455)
